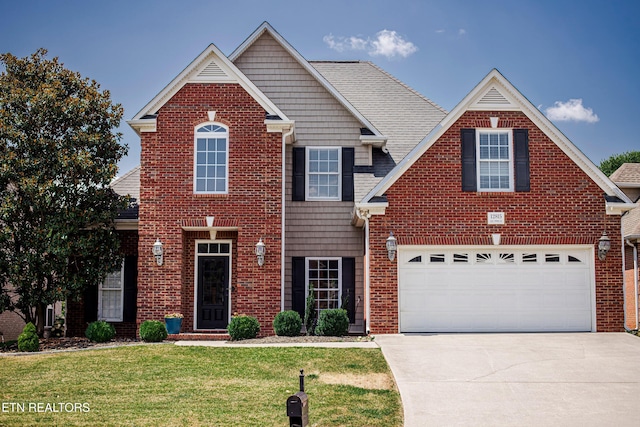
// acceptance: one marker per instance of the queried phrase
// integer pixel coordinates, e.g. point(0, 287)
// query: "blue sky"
point(578, 61)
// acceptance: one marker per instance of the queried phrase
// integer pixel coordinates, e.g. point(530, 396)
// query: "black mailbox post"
point(298, 406)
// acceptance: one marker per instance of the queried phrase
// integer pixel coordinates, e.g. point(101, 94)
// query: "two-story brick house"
point(321, 162)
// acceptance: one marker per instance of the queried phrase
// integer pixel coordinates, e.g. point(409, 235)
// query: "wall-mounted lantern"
point(158, 252)
point(392, 246)
point(261, 249)
point(604, 244)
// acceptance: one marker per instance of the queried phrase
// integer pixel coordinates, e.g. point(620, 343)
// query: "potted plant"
point(173, 321)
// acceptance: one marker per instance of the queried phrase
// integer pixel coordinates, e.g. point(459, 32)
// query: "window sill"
point(496, 193)
point(211, 195)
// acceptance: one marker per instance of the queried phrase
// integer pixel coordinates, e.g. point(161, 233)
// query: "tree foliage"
point(610, 165)
point(58, 154)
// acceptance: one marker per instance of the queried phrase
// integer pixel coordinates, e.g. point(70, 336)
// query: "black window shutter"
point(468, 148)
point(298, 189)
point(298, 296)
point(90, 302)
point(521, 159)
point(130, 288)
point(347, 174)
point(349, 286)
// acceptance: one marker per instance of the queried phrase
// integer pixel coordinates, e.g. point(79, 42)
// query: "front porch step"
point(200, 336)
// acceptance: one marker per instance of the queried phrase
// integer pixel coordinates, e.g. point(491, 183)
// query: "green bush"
point(287, 324)
point(100, 331)
point(243, 327)
point(153, 331)
point(333, 323)
point(28, 340)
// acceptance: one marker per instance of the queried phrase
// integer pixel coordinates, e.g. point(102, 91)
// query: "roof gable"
point(211, 66)
point(267, 28)
point(496, 93)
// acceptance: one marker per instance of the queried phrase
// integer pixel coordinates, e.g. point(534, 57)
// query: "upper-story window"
point(211, 159)
point(495, 161)
point(323, 173)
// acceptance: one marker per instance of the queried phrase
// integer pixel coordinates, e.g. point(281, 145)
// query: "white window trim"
point(509, 132)
point(306, 276)
point(195, 277)
point(195, 157)
point(100, 290)
point(306, 171)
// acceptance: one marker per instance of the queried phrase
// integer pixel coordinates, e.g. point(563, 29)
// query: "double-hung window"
point(211, 159)
point(325, 276)
point(111, 296)
point(495, 161)
point(323, 173)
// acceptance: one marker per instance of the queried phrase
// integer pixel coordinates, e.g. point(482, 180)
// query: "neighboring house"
point(321, 161)
point(627, 177)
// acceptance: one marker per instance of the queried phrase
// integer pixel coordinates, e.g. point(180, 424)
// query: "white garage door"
point(495, 290)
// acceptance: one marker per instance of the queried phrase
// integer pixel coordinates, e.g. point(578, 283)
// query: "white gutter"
point(282, 215)
point(367, 274)
point(635, 277)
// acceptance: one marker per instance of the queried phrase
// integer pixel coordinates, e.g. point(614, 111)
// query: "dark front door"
point(213, 292)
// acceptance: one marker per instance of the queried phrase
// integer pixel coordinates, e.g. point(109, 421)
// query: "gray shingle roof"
point(128, 184)
point(627, 173)
point(403, 115)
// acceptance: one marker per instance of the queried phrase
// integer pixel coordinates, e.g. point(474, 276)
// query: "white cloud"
point(386, 43)
point(462, 32)
point(440, 31)
point(345, 43)
point(571, 111)
point(390, 44)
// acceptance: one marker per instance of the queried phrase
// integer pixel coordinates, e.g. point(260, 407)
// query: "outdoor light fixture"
point(392, 246)
point(158, 251)
point(261, 248)
point(604, 244)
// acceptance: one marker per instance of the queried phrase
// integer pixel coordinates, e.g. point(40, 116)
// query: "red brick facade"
point(428, 207)
point(252, 205)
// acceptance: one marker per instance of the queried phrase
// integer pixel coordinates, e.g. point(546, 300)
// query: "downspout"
point(282, 215)
point(367, 277)
point(635, 276)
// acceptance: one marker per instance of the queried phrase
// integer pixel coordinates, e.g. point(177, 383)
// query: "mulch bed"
point(71, 343)
point(80, 343)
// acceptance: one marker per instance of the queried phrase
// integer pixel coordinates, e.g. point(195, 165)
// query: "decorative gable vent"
point(212, 72)
point(493, 97)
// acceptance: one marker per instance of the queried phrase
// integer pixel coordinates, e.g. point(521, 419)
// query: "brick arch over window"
point(211, 158)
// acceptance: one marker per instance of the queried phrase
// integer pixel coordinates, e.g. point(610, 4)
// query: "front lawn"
point(167, 385)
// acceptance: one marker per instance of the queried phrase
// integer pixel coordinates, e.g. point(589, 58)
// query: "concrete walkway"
point(578, 379)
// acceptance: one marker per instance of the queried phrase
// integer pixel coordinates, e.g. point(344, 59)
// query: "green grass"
point(166, 385)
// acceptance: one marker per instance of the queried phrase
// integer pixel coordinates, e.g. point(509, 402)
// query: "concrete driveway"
point(572, 379)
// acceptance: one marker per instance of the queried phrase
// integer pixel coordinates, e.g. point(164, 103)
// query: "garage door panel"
point(494, 292)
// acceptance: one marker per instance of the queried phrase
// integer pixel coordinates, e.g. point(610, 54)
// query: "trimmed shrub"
point(287, 323)
point(153, 331)
point(28, 340)
point(100, 331)
point(333, 323)
point(243, 327)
